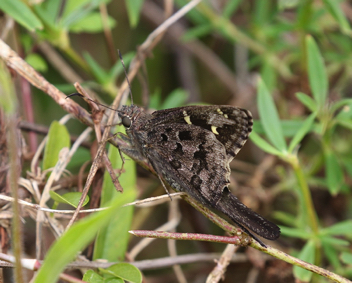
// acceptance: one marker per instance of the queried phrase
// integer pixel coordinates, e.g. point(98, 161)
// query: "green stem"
point(74, 56)
point(295, 261)
point(14, 174)
point(8, 106)
point(304, 14)
point(307, 198)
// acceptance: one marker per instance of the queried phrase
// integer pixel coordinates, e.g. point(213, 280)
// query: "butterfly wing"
point(192, 160)
point(230, 125)
point(191, 148)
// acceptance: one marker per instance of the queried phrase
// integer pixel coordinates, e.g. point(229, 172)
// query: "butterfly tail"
point(246, 218)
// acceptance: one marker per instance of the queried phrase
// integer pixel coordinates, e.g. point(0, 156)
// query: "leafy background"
point(288, 62)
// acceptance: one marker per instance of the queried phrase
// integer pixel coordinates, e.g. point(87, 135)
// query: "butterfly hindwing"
point(189, 156)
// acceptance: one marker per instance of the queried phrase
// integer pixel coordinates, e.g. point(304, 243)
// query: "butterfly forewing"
point(230, 125)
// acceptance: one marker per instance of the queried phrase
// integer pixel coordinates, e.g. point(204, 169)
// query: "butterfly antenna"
point(128, 81)
point(86, 98)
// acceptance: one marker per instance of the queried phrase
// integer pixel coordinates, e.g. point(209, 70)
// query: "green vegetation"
point(288, 62)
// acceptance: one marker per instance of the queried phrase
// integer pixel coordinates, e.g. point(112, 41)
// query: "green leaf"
point(344, 116)
point(92, 23)
point(341, 103)
point(197, 32)
point(268, 73)
point(58, 138)
point(287, 4)
point(75, 10)
point(155, 99)
point(92, 277)
point(331, 253)
point(80, 156)
point(8, 98)
point(284, 217)
point(114, 280)
point(307, 101)
point(195, 16)
point(289, 127)
point(295, 232)
point(21, 13)
point(52, 7)
point(117, 69)
point(37, 62)
point(347, 123)
point(346, 257)
point(263, 144)
point(270, 118)
point(134, 10)
point(71, 198)
point(49, 22)
point(306, 127)
point(100, 74)
point(112, 241)
point(334, 241)
point(347, 162)
point(74, 5)
point(261, 13)
point(343, 228)
point(334, 173)
point(75, 240)
point(230, 8)
point(335, 10)
point(176, 98)
point(318, 79)
point(307, 254)
point(125, 271)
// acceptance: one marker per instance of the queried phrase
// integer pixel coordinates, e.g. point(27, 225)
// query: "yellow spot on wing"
point(188, 120)
point(213, 129)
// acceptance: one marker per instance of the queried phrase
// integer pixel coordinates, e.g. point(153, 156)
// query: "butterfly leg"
point(166, 190)
point(125, 145)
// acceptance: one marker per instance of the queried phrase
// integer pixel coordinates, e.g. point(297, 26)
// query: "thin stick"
point(145, 242)
point(14, 61)
point(165, 25)
point(218, 273)
point(14, 174)
point(186, 236)
point(92, 172)
point(174, 212)
point(107, 32)
point(142, 264)
point(97, 117)
point(295, 261)
point(142, 203)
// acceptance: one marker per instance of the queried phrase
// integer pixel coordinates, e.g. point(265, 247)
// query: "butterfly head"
point(128, 114)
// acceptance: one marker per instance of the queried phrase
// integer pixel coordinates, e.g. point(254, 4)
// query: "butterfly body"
point(191, 148)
